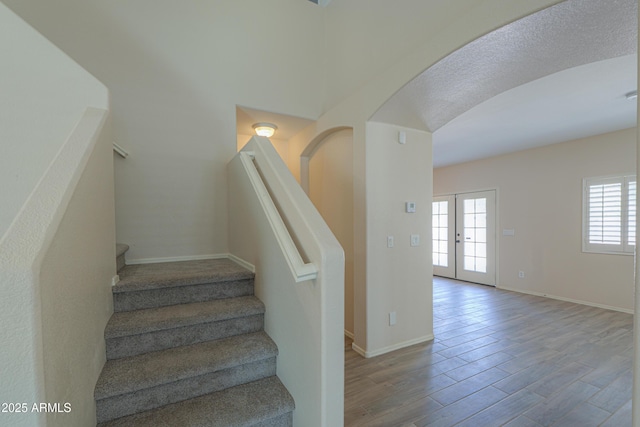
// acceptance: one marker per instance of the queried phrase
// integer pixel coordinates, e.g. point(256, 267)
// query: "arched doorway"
point(327, 177)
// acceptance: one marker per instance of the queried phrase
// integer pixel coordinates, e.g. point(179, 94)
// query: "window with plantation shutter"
point(609, 214)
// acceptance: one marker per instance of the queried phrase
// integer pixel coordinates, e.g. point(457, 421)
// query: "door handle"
point(457, 241)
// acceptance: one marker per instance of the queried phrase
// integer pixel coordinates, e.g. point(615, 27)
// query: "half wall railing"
point(299, 268)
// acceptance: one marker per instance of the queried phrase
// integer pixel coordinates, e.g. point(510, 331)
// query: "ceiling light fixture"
point(265, 129)
point(631, 95)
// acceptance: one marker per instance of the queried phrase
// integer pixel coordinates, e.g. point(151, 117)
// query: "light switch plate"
point(402, 137)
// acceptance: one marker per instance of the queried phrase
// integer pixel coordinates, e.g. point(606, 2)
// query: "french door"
point(464, 237)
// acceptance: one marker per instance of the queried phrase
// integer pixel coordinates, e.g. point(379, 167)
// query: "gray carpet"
point(183, 273)
point(134, 332)
point(187, 340)
point(264, 403)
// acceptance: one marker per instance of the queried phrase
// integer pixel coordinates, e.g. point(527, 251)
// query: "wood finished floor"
point(500, 358)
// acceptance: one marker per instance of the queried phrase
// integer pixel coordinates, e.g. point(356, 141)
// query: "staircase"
point(186, 347)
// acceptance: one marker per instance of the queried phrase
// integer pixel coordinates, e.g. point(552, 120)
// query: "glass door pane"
point(443, 235)
point(440, 233)
point(475, 237)
point(475, 224)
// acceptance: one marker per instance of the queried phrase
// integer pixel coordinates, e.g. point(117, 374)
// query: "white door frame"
point(469, 227)
point(455, 261)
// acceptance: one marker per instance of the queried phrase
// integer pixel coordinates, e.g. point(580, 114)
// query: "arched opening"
point(326, 173)
point(520, 241)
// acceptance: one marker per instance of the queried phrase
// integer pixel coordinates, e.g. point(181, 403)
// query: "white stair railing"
point(299, 267)
point(300, 270)
point(120, 151)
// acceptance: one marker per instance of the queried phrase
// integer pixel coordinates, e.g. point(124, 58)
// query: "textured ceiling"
point(574, 103)
point(562, 37)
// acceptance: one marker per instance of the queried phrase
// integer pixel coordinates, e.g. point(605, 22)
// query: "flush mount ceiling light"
point(631, 95)
point(265, 129)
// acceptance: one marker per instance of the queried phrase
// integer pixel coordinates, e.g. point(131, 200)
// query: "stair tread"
point(156, 319)
point(147, 370)
point(180, 273)
point(242, 405)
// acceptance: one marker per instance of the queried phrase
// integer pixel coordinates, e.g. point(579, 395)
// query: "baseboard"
point(358, 350)
point(175, 259)
point(575, 301)
point(389, 349)
point(232, 257)
point(245, 264)
point(348, 334)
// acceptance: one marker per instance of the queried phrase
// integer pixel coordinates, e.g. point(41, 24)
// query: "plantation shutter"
point(631, 229)
point(609, 214)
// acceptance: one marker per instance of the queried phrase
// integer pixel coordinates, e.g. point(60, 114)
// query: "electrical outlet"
point(521, 274)
point(389, 241)
point(392, 318)
point(415, 240)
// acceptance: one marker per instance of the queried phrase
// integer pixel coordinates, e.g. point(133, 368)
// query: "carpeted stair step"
point(121, 249)
point(130, 333)
point(264, 403)
point(156, 285)
point(134, 384)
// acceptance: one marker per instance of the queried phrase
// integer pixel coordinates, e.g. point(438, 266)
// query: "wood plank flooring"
point(500, 358)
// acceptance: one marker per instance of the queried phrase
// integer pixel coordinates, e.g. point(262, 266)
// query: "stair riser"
point(138, 300)
point(284, 420)
point(160, 340)
point(142, 400)
point(264, 403)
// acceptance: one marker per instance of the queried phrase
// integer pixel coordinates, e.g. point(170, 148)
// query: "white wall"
point(540, 197)
point(175, 91)
point(367, 38)
point(47, 136)
point(399, 279)
point(75, 283)
point(331, 191)
point(364, 70)
point(46, 296)
point(176, 72)
point(39, 84)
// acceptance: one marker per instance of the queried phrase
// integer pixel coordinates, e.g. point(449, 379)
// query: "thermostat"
point(411, 207)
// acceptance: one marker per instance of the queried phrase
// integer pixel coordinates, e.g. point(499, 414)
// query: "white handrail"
point(121, 151)
point(300, 270)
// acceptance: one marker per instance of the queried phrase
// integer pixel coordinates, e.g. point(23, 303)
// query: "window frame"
point(624, 247)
